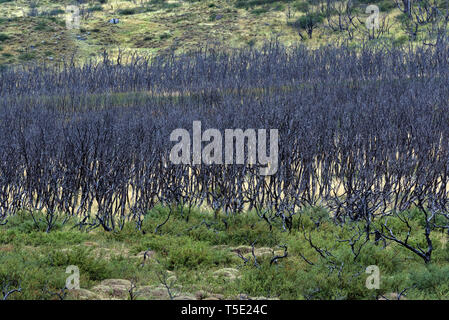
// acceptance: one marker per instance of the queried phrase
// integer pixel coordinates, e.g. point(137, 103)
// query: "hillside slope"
point(38, 29)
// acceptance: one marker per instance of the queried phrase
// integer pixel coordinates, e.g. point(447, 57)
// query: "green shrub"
point(308, 20)
point(3, 37)
point(301, 6)
point(95, 8)
point(386, 5)
point(27, 56)
point(23, 222)
point(41, 25)
point(30, 270)
point(246, 4)
point(269, 281)
point(401, 40)
point(165, 35)
point(259, 11)
point(56, 12)
point(431, 280)
point(83, 258)
point(368, 2)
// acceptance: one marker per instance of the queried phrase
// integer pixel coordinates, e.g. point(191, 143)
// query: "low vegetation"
point(361, 179)
point(142, 25)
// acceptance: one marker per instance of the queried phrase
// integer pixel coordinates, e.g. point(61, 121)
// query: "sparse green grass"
point(3, 37)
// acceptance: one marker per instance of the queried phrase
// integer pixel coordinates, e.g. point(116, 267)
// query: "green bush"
point(165, 35)
point(431, 280)
point(386, 5)
point(23, 222)
point(56, 12)
point(37, 259)
point(246, 4)
point(308, 20)
point(401, 40)
point(29, 270)
point(268, 281)
point(259, 11)
point(95, 8)
point(27, 56)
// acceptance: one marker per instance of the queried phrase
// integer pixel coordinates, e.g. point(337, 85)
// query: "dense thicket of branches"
point(363, 132)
